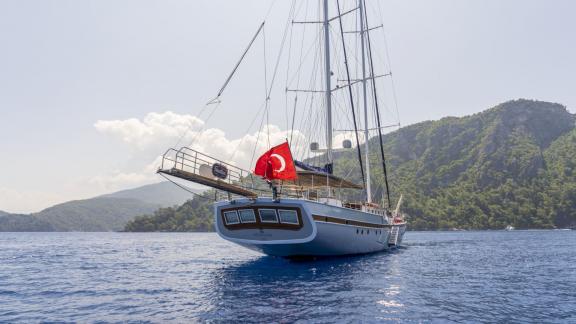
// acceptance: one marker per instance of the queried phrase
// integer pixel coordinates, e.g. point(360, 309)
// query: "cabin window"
point(247, 216)
point(268, 215)
point(231, 217)
point(288, 217)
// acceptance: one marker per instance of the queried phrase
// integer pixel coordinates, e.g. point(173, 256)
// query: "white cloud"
point(150, 131)
point(147, 138)
point(340, 137)
point(157, 132)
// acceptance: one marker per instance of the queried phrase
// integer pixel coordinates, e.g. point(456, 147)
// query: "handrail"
point(189, 161)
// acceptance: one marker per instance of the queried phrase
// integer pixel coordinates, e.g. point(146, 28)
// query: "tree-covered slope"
point(513, 164)
point(487, 170)
point(560, 160)
point(23, 223)
point(105, 213)
point(195, 215)
point(94, 215)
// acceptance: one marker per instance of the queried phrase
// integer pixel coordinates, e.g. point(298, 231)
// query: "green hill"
point(164, 193)
point(195, 215)
point(488, 170)
point(24, 223)
point(94, 215)
point(105, 213)
point(513, 164)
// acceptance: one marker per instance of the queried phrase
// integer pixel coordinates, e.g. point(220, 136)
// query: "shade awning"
point(313, 179)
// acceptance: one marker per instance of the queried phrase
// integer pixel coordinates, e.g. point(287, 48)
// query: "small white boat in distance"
point(510, 228)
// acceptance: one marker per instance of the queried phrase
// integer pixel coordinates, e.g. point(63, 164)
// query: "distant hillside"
point(511, 164)
point(514, 164)
point(105, 213)
point(94, 215)
point(24, 223)
point(195, 215)
point(165, 194)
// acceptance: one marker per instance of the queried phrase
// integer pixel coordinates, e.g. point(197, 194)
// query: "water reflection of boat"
point(305, 208)
point(281, 290)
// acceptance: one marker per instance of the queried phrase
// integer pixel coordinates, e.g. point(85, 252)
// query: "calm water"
point(521, 276)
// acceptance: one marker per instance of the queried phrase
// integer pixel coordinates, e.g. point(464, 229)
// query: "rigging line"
point(266, 110)
point(293, 118)
point(262, 106)
point(389, 63)
point(199, 116)
point(309, 99)
point(185, 189)
point(184, 133)
point(337, 105)
point(377, 111)
point(237, 64)
point(195, 137)
point(247, 131)
point(257, 139)
point(308, 51)
point(269, 9)
point(274, 73)
point(302, 48)
point(268, 90)
point(288, 63)
point(298, 74)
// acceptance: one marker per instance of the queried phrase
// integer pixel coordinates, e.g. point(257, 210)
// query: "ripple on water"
point(160, 277)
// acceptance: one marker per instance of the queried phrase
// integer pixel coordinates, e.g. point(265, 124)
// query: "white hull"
point(325, 230)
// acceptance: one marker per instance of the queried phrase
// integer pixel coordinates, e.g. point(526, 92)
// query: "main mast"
point(328, 83)
point(365, 97)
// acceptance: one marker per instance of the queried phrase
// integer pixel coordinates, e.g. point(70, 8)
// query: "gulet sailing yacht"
point(290, 208)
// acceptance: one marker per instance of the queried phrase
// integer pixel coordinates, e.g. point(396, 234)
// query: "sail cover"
point(307, 167)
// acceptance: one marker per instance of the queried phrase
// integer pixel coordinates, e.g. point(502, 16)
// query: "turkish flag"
point(277, 163)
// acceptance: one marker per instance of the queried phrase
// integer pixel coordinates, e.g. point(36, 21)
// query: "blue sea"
point(517, 276)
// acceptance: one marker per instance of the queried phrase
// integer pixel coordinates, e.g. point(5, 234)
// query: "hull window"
point(247, 216)
point(288, 217)
point(268, 215)
point(231, 217)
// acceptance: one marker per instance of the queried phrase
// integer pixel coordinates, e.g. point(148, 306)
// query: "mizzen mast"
point(328, 89)
point(365, 102)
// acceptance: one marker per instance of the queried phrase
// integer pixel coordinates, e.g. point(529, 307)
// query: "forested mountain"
point(105, 213)
point(165, 194)
point(195, 215)
point(513, 164)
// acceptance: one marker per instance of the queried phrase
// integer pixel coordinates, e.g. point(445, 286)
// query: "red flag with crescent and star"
point(276, 163)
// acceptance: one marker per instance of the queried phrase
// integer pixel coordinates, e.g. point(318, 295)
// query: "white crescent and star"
point(282, 162)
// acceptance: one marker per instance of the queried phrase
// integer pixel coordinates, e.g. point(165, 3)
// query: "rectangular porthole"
point(288, 217)
point(268, 215)
point(247, 216)
point(231, 217)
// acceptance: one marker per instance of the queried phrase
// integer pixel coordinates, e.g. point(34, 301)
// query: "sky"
point(91, 92)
